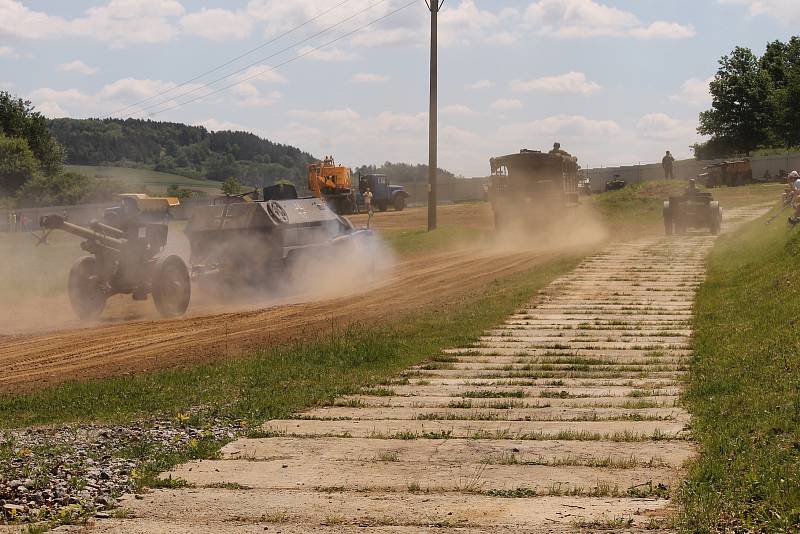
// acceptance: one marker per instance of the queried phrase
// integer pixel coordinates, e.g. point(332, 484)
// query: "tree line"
point(31, 162)
point(755, 102)
point(405, 173)
point(176, 148)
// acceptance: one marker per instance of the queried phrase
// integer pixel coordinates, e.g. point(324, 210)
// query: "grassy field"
point(744, 391)
point(155, 181)
point(277, 381)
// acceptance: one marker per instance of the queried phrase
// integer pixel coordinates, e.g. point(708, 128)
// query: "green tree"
point(741, 113)
point(231, 187)
point(18, 119)
point(17, 164)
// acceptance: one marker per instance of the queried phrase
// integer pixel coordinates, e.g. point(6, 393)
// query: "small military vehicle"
point(693, 209)
point(256, 245)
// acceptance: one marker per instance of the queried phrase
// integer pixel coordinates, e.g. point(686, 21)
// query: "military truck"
point(729, 173)
point(532, 187)
point(384, 193)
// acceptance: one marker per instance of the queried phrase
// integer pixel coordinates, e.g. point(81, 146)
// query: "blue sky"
point(616, 82)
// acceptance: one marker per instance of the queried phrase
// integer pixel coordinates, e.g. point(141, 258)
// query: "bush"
point(66, 189)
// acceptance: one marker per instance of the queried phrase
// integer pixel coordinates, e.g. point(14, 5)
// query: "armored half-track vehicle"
point(248, 245)
point(126, 258)
point(693, 209)
point(532, 187)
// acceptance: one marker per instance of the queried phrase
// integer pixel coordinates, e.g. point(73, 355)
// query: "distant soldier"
point(368, 201)
point(666, 163)
point(13, 221)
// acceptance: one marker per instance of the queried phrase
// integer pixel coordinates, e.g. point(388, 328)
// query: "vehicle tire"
point(171, 286)
point(399, 203)
point(383, 205)
point(86, 294)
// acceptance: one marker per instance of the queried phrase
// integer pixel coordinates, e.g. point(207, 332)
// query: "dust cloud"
point(33, 280)
point(569, 229)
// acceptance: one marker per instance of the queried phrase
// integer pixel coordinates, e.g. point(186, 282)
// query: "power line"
point(290, 60)
point(223, 65)
point(261, 60)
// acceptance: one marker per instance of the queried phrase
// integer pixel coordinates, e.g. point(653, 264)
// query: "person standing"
point(667, 163)
point(368, 201)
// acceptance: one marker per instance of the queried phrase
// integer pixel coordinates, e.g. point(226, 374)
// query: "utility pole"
point(434, 6)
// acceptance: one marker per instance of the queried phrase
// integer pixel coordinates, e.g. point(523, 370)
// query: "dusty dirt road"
point(423, 283)
point(565, 418)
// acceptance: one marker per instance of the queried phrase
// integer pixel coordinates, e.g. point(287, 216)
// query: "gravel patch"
point(66, 473)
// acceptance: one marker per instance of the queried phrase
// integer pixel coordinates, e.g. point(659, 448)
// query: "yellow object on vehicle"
point(333, 183)
point(150, 204)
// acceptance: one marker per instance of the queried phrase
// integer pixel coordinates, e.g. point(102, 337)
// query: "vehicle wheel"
point(383, 205)
point(171, 286)
point(399, 203)
point(86, 294)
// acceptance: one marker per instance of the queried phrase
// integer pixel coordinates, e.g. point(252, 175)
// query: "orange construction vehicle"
point(333, 183)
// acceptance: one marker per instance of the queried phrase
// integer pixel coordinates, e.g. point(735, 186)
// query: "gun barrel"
point(57, 222)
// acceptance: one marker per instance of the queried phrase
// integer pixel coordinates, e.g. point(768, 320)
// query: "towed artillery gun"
point(533, 187)
point(246, 245)
point(693, 209)
point(126, 258)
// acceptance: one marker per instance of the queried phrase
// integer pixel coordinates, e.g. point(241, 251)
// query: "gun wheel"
point(86, 294)
point(172, 287)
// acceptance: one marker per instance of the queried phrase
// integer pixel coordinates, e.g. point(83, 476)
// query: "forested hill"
point(181, 149)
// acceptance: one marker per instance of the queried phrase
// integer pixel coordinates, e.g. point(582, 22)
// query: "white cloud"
point(464, 23)
point(694, 92)
point(248, 95)
point(571, 82)
point(457, 110)
point(590, 18)
point(326, 54)
point(505, 104)
point(481, 84)
point(664, 30)
point(112, 97)
point(786, 11)
point(215, 125)
point(401, 122)
point(261, 74)
point(568, 126)
point(660, 126)
point(76, 66)
point(218, 24)
point(366, 77)
point(330, 115)
point(125, 22)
